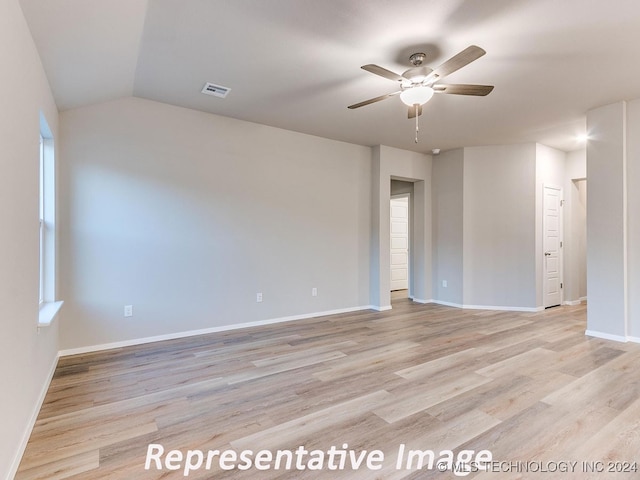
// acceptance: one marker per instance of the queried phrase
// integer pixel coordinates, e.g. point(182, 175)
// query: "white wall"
point(575, 226)
point(576, 164)
point(400, 187)
point(606, 221)
point(499, 251)
point(447, 226)
point(487, 217)
point(613, 221)
point(633, 217)
point(186, 216)
point(550, 171)
point(26, 357)
point(392, 163)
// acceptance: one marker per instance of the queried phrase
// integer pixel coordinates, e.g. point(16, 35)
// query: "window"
point(41, 208)
point(47, 296)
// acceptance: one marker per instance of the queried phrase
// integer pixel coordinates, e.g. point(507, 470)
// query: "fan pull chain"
point(417, 129)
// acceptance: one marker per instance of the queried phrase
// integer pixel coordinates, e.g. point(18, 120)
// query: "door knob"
point(547, 254)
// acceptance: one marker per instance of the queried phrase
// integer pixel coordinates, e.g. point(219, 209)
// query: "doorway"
point(552, 244)
point(399, 243)
point(575, 258)
point(580, 238)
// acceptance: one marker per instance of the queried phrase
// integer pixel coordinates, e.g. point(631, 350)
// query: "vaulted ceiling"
point(295, 64)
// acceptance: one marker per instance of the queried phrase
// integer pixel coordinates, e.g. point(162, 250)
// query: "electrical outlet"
point(314, 292)
point(444, 283)
point(258, 297)
point(128, 310)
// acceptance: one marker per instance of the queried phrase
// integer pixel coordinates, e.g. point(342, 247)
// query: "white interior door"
point(400, 243)
point(552, 246)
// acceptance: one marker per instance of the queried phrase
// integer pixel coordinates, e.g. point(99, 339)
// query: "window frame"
point(48, 305)
point(42, 225)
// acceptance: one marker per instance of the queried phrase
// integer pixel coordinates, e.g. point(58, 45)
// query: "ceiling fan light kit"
point(419, 83)
point(416, 95)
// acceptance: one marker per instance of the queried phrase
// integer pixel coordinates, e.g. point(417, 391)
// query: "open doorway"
point(400, 239)
point(579, 232)
point(399, 255)
point(573, 246)
point(391, 165)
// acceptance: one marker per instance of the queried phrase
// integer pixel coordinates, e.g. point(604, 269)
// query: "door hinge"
point(560, 244)
point(562, 203)
point(561, 285)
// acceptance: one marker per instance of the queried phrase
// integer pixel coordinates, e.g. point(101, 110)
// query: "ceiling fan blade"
point(465, 57)
point(372, 100)
point(383, 72)
point(412, 111)
point(463, 89)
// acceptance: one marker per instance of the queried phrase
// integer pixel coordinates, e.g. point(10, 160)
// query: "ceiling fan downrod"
point(416, 59)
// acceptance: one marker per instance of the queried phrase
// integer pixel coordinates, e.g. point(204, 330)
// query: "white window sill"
point(48, 311)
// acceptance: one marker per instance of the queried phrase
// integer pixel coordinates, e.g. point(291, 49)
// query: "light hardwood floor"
point(527, 386)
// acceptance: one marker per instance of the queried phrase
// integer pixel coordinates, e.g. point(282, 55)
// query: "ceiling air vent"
point(215, 90)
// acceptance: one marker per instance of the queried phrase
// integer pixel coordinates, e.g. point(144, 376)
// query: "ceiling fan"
point(419, 83)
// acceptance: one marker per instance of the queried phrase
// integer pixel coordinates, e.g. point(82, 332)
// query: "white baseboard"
point(607, 336)
point(447, 304)
point(204, 331)
point(575, 302)
point(503, 308)
point(633, 339)
point(32, 421)
point(379, 309)
point(489, 307)
point(420, 300)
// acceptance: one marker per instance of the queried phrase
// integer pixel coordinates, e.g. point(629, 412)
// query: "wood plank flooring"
point(529, 387)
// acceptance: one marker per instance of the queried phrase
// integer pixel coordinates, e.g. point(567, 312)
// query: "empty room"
point(363, 239)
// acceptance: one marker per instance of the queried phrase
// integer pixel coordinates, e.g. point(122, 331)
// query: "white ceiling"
point(295, 64)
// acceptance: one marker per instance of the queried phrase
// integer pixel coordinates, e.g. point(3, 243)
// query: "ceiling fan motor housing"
point(417, 75)
point(416, 59)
